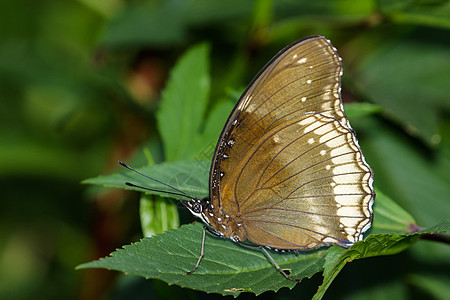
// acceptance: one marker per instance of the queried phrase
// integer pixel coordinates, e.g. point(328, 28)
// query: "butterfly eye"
point(196, 207)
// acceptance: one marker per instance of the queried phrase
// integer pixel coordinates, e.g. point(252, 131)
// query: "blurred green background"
point(79, 85)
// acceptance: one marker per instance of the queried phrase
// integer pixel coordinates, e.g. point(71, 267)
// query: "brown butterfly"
point(287, 171)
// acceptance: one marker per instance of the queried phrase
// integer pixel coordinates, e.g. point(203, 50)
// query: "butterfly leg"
point(201, 253)
point(278, 267)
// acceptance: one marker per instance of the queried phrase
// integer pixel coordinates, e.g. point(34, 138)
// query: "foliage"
point(80, 85)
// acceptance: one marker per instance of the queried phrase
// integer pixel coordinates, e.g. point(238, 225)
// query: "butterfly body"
point(287, 171)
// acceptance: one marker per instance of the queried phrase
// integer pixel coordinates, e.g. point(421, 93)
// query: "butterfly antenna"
point(180, 193)
point(155, 190)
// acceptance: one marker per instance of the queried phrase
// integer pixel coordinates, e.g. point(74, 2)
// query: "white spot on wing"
point(323, 129)
point(339, 151)
point(345, 189)
point(307, 121)
point(349, 222)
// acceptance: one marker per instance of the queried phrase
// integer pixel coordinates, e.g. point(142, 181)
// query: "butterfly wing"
point(287, 164)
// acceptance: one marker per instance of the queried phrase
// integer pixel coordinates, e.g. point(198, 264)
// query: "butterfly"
point(287, 172)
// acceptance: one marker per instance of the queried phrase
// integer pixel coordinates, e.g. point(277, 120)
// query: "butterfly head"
point(221, 224)
point(199, 208)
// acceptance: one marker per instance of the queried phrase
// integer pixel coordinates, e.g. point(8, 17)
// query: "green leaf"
point(373, 245)
point(183, 105)
point(213, 127)
point(191, 177)
point(226, 267)
point(165, 23)
point(332, 267)
point(158, 214)
point(431, 13)
point(405, 172)
point(359, 110)
point(435, 286)
point(144, 24)
point(230, 269)
point(409, 78)
point(389, 216)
